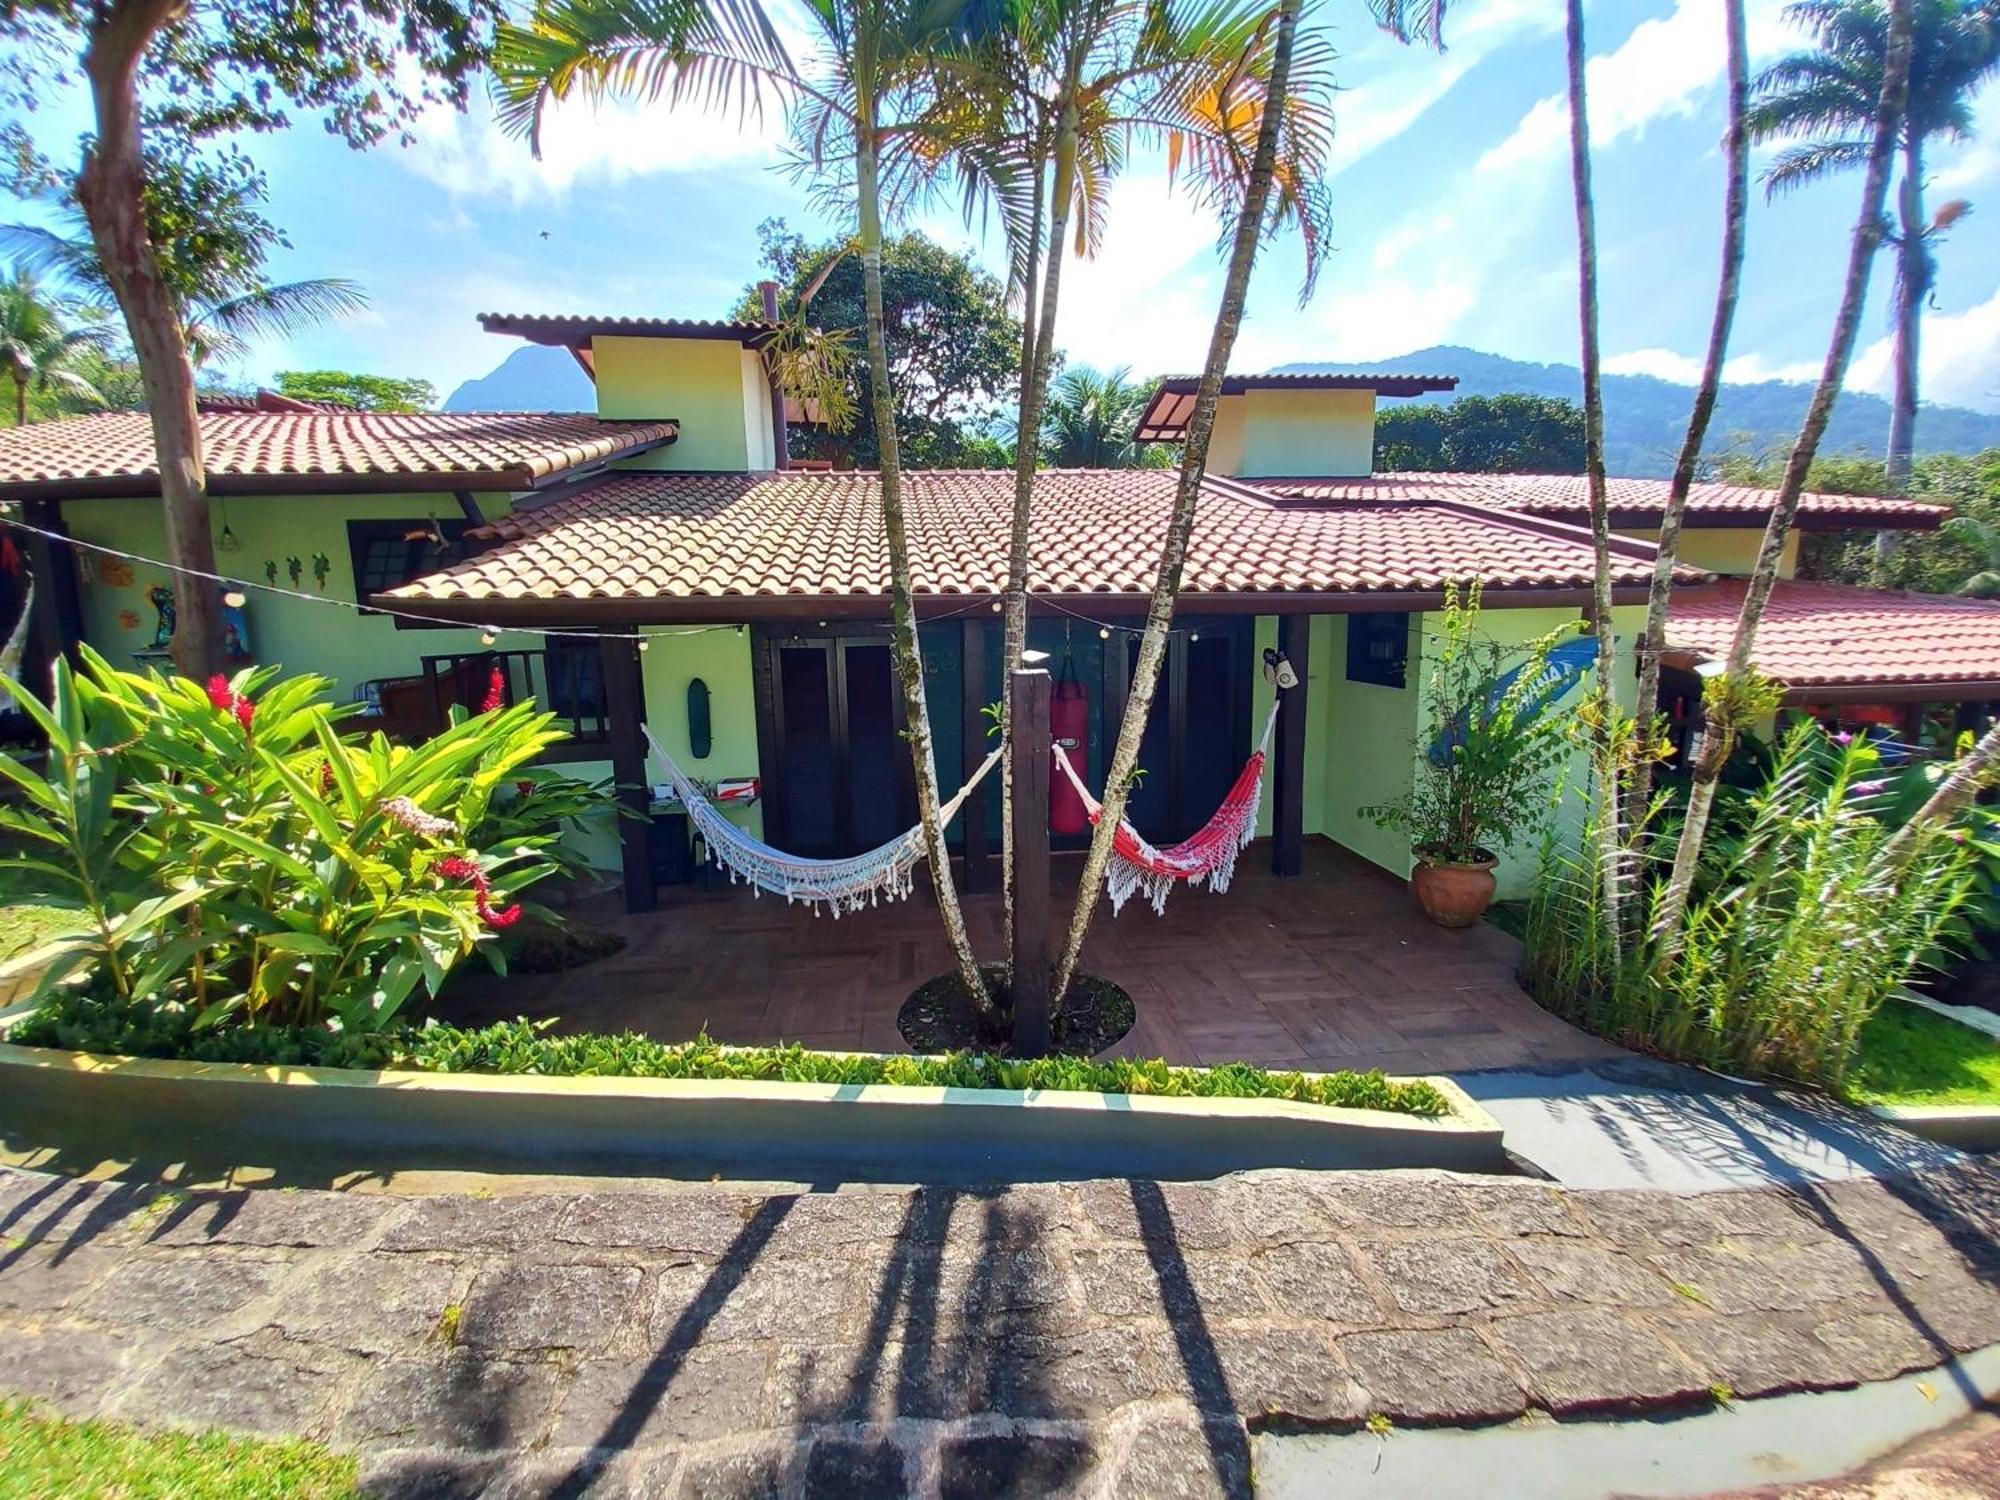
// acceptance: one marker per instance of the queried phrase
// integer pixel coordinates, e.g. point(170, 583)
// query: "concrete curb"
point(1968, 1127)
point(880, 1132)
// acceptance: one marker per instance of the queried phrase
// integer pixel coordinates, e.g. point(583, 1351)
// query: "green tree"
point(1507, 434)
point(952, 343)
point(165, 79)
point(1824, 99)
point(1090, 420)
point(41, 350)
point(862, 102)
point(363, 392)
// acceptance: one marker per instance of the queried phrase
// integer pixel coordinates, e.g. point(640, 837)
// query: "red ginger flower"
point(496, 693)
point(460, 868)
point(221, 696)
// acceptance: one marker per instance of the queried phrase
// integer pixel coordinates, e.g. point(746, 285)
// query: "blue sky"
point(1453, 222)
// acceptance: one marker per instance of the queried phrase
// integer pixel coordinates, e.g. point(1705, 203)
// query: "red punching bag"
point(1069, 726)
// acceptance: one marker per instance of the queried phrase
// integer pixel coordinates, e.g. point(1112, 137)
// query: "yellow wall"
point(720, 658)
point(336, 641)
point(1294, 432)
point(707, 385)
point(1728, 550)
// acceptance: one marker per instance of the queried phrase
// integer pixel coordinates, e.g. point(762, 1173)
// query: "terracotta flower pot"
point(1453, 895)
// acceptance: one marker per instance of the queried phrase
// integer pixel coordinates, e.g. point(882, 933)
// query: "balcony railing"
point(567, 681)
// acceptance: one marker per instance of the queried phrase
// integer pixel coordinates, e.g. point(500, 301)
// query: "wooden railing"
point(567, 681)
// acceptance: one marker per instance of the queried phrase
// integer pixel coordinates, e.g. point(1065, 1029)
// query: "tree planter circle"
point(940, 1017)
point(1453, 893)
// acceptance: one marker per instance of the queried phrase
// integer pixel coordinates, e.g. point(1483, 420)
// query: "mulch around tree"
point(940, 1016)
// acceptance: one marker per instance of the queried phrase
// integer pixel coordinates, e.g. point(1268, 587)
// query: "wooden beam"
point(1288, 776)
point(624, 703)
point(1028, 713)
point(781, 434)
point(972, 721)
point(468, 506)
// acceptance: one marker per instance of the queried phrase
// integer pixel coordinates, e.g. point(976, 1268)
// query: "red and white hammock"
point(1208, 856)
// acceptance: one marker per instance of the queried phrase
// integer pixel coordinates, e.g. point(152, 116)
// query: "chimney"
point(781, 438)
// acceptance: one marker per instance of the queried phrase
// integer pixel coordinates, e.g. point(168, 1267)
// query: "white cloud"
point(1664, 363)
point(1958, 359)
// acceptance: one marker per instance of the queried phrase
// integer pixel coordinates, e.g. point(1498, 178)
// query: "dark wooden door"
point(1198, 732)
point(830, 721)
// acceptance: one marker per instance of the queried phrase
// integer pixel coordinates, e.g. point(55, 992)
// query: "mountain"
point(533, 378)
point(1645, 417)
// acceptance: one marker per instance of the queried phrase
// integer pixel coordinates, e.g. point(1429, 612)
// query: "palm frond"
point(272, 311)
point(1796, 166)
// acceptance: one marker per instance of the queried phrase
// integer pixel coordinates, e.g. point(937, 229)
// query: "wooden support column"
point(972, 728)
point(1028, 712)
point(1288, 776)
point(781, 434)
point(624, 711)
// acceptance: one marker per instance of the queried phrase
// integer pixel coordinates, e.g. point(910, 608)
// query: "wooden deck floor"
point(1335, 969)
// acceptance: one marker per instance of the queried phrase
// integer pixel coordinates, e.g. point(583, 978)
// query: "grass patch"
point(23, 927)
point(45, 1457)
point(88, 1023)
point(1909, 1055)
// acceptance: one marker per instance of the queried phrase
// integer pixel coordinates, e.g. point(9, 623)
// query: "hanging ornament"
point(271, 572)
point(322, 565)
point(228, 541)
point(296, 570)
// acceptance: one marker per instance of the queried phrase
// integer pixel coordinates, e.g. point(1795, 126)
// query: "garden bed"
point(511, 1095)
point(1931, 1075)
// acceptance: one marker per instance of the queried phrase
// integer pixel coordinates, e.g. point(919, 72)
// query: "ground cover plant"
point(1909, 1055)
point(45, 1457)
point(93, 1023)
point(226, 851)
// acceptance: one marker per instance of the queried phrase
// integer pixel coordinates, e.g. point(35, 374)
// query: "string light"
point(234, 599)
point(488, 638)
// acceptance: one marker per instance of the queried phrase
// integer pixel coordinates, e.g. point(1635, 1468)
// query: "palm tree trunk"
point(1912, 288)
point(904, 645)
point(20, 402)
point(1719, 737)
point(1952, 796)
point(1014, 629)
point(1735, 214)
point(1611, 850)
point(1194, 459)
point(111, 191)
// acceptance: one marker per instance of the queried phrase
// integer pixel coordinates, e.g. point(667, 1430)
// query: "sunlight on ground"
point(1910, 1056)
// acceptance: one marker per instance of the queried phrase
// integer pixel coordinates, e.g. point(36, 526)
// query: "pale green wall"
point(704, 384)
point(1728, 550)
point(338, 642)
point(720, 658)
point(1294, 432)
point(1370, 750)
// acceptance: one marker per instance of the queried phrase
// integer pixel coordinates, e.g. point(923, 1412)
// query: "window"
point(1378, 649)
point(390, 553)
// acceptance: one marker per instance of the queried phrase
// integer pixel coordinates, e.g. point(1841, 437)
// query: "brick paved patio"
point(1106, 1338)
point(1335, 969)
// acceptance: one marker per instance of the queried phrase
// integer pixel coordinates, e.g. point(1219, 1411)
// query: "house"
point(740, 606)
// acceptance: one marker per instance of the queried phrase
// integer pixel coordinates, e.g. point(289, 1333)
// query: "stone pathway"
point(1113, 1338)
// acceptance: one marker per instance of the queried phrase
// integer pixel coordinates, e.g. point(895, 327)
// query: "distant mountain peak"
point(534, 377)
point(1645, 416)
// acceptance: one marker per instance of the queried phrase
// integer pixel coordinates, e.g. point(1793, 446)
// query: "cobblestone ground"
point(1106, 1338)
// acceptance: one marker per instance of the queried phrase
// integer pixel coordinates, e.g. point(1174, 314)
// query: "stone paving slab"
point(1105, 1339)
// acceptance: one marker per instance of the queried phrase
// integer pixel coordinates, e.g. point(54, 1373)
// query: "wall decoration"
point(296, 569)
point(128, 619)
point(322, 565)
point(271, 572)
point(235, 626)
point(114, 573)
point(162, 599)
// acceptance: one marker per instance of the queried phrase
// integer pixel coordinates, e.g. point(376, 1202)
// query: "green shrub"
point(97, 1023)
point(1789, 948)
point(228, 852)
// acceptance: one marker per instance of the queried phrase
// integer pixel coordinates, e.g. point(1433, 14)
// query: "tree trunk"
point(1611, 844)
point(111, 192)
point(20, 402)
point(1014, 628)
point(1194, 459)
point(1912, 288)
point(907, 651)
point(1720, 734)
point(1736, 203)
point(1952, 796)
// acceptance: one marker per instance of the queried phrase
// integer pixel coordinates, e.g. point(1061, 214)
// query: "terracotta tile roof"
point(654, 536)
point(575, 331)
point(1172, 402)
point(262, 452)
point(1827, 635)
point(1634, 502)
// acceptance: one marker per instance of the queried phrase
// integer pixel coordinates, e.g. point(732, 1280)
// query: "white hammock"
point(840, 885)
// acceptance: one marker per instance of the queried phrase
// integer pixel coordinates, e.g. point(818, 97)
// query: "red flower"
point(496, 693)
point(457, 867)
point(523, 788)
point(244, 709)
point(326, 778)
point(461, 868)
point(221, 696)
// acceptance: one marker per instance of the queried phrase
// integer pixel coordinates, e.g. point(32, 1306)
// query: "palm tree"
point(1251, 222)
point(1735, 216)
point(1728, 701)
point(1090, 420)
point(1983, 538)
point(37, 349)
point(1825, 99)
point(868, 90)
point(219, 320)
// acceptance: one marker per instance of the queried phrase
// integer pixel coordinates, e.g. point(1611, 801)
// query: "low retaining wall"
point(1968, 1127)
point(794, 1131)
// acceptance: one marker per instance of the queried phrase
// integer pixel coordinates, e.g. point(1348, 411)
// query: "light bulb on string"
point(489, 638)
point(234, 598)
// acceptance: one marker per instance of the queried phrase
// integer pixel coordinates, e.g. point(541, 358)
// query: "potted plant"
point(1483, 765)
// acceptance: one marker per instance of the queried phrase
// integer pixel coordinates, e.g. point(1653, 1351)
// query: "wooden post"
point(624, 700)
point(1288, 776)
point(57, 624)
point(781, 434)
point(972, 720)
point(1028, 711)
